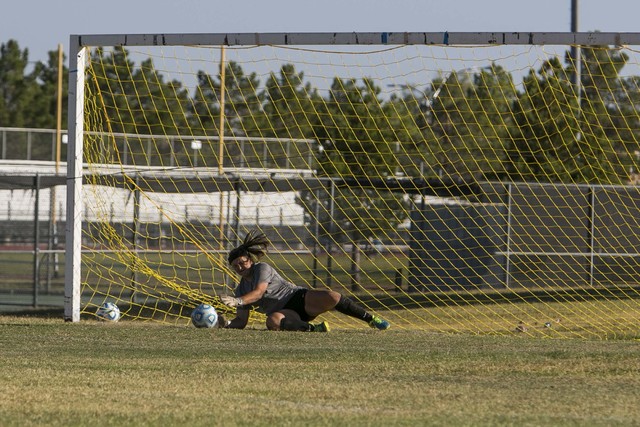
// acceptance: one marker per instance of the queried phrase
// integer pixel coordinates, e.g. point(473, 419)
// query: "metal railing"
point(30, 144)
point(168, 150)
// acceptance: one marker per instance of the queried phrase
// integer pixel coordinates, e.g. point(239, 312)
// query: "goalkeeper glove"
point(232, 301)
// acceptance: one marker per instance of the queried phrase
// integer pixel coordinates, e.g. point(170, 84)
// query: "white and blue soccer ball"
point(204, 316)
point(108, 311)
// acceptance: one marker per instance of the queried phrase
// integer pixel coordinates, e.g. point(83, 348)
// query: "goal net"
point(453, 182)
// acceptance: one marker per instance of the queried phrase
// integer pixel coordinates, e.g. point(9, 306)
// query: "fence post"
point(398, 280)
point(135, 238)
point(331, 233)
point(316, 236)
point(591, 211)
point(36, 240)
point(355, 266)
point(507, 270)
point(28, 145)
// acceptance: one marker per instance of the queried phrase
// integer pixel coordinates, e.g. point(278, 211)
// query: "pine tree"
point(18, 89)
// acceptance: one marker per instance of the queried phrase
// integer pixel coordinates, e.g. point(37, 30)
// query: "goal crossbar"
point(362, 38)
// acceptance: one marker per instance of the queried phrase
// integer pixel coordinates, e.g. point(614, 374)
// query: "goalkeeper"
point(288, 307)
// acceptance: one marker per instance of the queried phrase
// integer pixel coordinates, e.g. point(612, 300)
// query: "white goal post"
point(78, 57)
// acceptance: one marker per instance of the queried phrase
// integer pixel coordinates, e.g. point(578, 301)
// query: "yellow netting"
point(476, 189)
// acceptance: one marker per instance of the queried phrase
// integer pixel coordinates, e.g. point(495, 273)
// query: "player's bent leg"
point(274, 320)
point(318, 301)
point(289, 320)
point(351, 308)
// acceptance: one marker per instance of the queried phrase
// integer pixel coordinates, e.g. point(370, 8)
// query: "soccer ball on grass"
point(108, 311)
point(204, 316)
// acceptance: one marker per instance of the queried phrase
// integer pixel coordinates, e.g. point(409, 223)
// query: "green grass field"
point(138, 373)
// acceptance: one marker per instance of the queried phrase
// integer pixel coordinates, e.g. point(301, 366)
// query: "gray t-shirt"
point(278, 293)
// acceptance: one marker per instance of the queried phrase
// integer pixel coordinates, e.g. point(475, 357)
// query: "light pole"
point(447, 76)
point(443, 82)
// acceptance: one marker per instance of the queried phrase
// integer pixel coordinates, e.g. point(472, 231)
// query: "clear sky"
point(40, 25)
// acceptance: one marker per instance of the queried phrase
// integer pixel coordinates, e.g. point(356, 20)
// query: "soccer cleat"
point(321, 327)
point(379, 323)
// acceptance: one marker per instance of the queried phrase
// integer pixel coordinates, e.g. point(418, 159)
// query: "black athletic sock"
point(287, 324)
point(350, 308)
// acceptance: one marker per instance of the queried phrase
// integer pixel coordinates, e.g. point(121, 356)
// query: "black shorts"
point(296, 303)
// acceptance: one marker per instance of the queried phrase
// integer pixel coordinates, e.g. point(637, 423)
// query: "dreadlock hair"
point(254, 246)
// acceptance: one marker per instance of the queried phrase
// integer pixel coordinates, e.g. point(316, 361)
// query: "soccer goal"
point(454, 182)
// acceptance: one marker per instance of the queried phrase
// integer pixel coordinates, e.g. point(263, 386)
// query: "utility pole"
point(575, 51)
